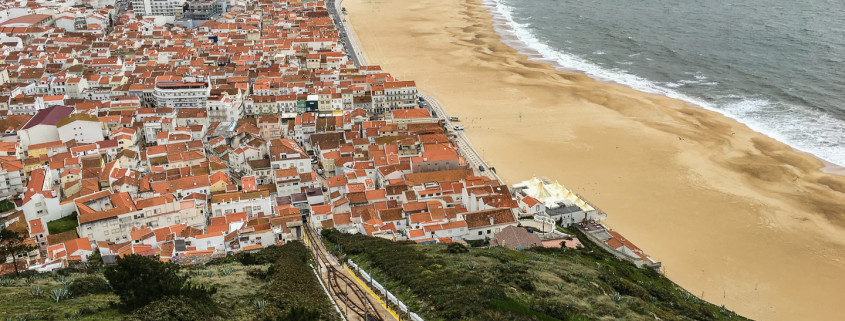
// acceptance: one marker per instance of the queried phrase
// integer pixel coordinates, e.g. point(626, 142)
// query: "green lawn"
point(63, 224)
point(6, 205)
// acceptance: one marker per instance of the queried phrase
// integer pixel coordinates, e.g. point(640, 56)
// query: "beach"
point(736, 217)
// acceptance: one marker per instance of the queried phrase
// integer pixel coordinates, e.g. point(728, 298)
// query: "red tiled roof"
point(49, 116)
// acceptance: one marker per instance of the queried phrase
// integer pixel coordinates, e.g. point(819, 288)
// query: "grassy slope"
point(543, 284)
point(17, 301)
point(290, 283)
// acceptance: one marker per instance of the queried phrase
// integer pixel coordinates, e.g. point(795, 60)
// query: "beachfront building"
point(555, 201)
point(400, 95)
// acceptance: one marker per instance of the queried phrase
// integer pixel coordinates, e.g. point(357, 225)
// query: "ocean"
point(777, 66)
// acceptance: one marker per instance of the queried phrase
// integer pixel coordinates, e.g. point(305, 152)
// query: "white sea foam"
point(803, 128)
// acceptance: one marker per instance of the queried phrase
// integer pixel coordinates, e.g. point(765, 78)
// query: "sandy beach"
point(736, 217)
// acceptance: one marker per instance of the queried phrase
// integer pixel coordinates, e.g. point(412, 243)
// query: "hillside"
point(273, 284)
point(441, 282)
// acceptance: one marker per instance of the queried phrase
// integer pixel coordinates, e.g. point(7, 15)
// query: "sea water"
point(777, 66)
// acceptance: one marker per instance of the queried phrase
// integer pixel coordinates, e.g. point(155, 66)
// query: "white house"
point(255, 203)
point(41, 201)
point(83, 128)
point(41, 128)
point(286, 153)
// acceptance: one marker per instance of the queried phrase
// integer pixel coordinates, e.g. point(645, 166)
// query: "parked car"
point(459, 127)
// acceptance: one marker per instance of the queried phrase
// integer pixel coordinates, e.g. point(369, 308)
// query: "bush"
point(478, 243)
point(300, 314)
point(59, 294)
point(456, 248)
point(139, 280)
point(294, 293)
point(266, 256)
point(174, 309)
point(89, 285)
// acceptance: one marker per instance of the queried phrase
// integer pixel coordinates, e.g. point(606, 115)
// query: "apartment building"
point(181, 94)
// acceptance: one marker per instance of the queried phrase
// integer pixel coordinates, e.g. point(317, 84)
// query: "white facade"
point(11, 182)
point(158, 7)
point(252, 206)
point(83, 131)
point(118, 228)
point(182, 94)
point(38, 134)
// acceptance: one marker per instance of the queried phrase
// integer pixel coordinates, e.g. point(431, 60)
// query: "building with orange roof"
point(41, 198)
point(437, 157)
point(74, 250)
point(38, 230)
point(106, 216)
point(486, 223)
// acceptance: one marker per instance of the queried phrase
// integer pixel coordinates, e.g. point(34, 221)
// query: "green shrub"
point(174, 309)
point(293, 285)
point(300, 314)
point(456, 248)
point(88, 285)
point(59, 294)
point(139, 280)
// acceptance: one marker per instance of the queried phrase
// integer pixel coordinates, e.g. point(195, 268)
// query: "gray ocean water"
point(776, 65)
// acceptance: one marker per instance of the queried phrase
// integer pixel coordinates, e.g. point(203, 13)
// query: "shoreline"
point(731, 217)
point(508, 36)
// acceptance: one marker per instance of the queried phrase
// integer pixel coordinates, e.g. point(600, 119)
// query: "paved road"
point(464, 147)
point(348, 39)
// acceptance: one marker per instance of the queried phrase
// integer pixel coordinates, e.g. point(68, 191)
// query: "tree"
point(13, 243)
point(139, 280)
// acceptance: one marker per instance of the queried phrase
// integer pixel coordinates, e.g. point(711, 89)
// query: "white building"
point(104, 216)
point(11, 178)
point(253, 203)
point(83, 128)
point(41, 128)
point(558, 202)
point(41, 201)
point(172, 8)
point(179, 94)
point(286, 153)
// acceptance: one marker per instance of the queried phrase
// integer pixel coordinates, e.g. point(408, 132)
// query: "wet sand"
point(736, 217)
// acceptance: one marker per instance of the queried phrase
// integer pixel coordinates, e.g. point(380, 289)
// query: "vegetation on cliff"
point(449, 282)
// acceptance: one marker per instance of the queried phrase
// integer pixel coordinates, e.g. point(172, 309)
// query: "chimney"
point(491, 220)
